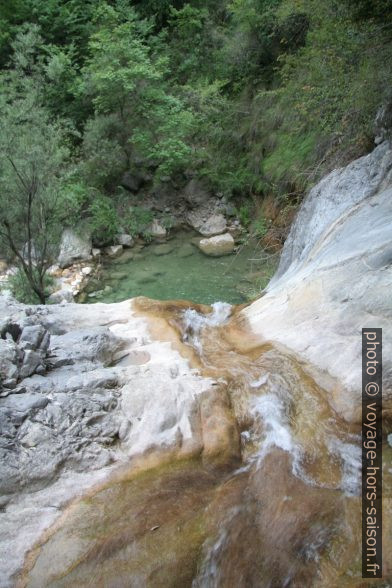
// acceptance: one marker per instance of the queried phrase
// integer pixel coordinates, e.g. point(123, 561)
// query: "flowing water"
point(177, 269)
point(284, 512)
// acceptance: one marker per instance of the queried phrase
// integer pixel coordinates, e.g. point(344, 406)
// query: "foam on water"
point(350, 457)
point(276, 432)
point(195, 322)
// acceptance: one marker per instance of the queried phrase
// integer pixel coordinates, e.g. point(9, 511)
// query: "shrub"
point(21, 288)
point(104, 221)
point(137, 221)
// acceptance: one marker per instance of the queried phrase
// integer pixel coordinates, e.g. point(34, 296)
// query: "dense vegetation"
point(258, 97)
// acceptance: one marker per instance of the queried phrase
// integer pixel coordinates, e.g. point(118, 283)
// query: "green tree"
point(33, 158)
point(136, 116)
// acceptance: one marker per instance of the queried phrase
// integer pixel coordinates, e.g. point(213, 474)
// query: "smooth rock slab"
point(217, 246)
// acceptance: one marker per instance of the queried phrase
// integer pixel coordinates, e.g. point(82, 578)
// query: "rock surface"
point(109, 394)
point(214, 225)
point(114, 250)
point(156, 230)
point(74, 247)
point(217, 246)
point(125, 240)
point(335, 278)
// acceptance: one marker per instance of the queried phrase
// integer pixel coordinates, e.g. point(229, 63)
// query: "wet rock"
point(185, 251)
point(113, 250)
point(163, 249)
point(332, 277)
point(217, 246)
point(74, 247)
point(221, 438)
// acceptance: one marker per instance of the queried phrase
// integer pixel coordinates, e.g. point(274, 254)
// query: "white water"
point(276, 429)
point(195, 322)
point(350, 456)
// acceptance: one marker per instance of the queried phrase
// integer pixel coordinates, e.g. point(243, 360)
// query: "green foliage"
point(254, 96)
point(134, 111)
point(34, 156)
point(103, 220)
point(260, 227)
point(243, 214)
point(137, 221)
point(21, 288)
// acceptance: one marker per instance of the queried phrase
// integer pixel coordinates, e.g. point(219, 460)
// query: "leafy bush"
point(21, 289)
point(137, 221)
point(243, 214)
point(104, 221)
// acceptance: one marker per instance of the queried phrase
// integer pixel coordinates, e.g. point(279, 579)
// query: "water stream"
point(286, 513)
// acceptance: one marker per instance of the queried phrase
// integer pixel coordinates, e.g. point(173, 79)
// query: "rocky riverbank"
point(274, 386)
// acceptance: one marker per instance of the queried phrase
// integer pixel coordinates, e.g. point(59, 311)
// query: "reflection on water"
point(288, 516)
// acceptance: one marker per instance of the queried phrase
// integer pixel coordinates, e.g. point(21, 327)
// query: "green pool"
point(178, 270)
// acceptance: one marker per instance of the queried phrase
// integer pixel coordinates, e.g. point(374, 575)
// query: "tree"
point(33, 158)
point(136, 116)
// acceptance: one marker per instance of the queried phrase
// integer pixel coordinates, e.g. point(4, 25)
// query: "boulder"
point(74, 247)
point(132, 181)
point(156, 230)
point(63, 295)
point(9, 358)
point(196, 193)
point(217, 246)
point(32, 360)
point(31, 337)
point(114, 250)
point(125, 240)
point(214, 225)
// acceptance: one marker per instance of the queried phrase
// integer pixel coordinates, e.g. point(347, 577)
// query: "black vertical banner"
point(372, 453)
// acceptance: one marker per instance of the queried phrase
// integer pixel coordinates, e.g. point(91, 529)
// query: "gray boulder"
point(9, 360)
point(113, 250)
point(31, 337)
point(74, 247)
point(214, 225)
point(156, 230)
point(32, 360)
point(63, 295)
point(125, 240)
point(196, 193)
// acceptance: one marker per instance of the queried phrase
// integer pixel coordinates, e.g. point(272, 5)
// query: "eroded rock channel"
point(175, 444)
